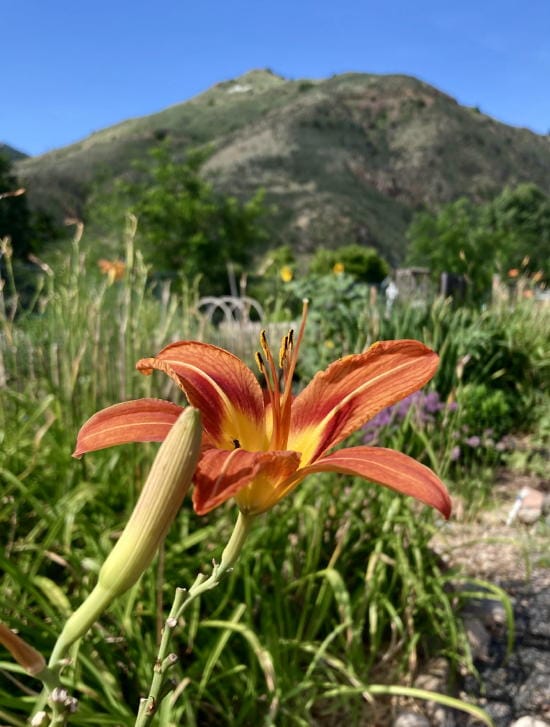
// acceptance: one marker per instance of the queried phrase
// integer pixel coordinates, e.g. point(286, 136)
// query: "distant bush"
point(363, 263)
point(486, 408)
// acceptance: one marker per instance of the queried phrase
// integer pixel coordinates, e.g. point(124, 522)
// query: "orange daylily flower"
point(113, 269)
point(258, 446)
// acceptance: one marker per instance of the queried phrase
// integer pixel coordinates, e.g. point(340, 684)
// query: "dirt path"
point(515, 557)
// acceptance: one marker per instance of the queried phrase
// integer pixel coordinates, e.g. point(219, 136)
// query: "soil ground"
point(515, 557)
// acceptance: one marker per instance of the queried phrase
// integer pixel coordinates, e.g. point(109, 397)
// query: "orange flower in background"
point(513, 273)
point(114, 269)
point(338, 268)
point(259, 445)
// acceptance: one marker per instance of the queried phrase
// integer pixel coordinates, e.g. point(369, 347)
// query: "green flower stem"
point(182, 600)
point(80, 621)
point(77, 624)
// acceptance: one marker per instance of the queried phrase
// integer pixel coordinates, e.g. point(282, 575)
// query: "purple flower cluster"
point(423, 410)
point(467, 442)
point(424, 407)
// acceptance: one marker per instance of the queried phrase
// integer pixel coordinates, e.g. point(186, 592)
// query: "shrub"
point(363, 263)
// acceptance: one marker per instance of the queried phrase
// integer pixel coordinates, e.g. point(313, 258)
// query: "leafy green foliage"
point(276, 259)
point(506, 352)
point(452, 241)
point(479, 240)
point(15, 217)
point(337, 318)
point(269, 283)
point(520, 218)
point(185, 226)
point(25, 231)
point(363, 263)
point(486, 408)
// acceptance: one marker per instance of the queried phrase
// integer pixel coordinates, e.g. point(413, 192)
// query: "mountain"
point(345, 159)
point(11, 153)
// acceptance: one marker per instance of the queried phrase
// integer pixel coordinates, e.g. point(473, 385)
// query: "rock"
point(497, 682)
point(442, 717)
point(536, 660)
point(534, 694)
point(434, 675)
point(539, 626)
point(500, 713)
point(435, 678)
point(533, 498)
point(410, 719)
point(529, 722)
point(529, 515)
point(531, 506)
point(478, 637)
point(489, 610)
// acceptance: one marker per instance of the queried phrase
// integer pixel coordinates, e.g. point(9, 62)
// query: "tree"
point(186, 225)
point(520, 220)
point(479, 240)
point(29, 230)
point(15, 217)
point(453, 241)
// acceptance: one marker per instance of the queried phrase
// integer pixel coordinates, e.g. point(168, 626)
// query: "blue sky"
point(70, 68)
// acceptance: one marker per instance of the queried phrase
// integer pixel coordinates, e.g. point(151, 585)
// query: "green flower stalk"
point(166, 486)
point(183, 599)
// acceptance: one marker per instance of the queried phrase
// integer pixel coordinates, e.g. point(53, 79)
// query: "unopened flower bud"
point(166, 486)
point(168, 482)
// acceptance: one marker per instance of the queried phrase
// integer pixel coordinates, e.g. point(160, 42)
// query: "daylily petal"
point(140, 420)
point(352, 390)
point(221, 474)
point(389, 468)
point(218, 384)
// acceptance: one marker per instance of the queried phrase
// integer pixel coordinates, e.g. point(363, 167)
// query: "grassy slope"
point(345, 159)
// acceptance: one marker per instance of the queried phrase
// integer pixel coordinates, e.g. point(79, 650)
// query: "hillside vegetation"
point(346, 159)
point(8, 152)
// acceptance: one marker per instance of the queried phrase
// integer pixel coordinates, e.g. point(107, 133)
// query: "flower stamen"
point(290, 360)
point(283, 351)
point(271, 377)
point(271, 363)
